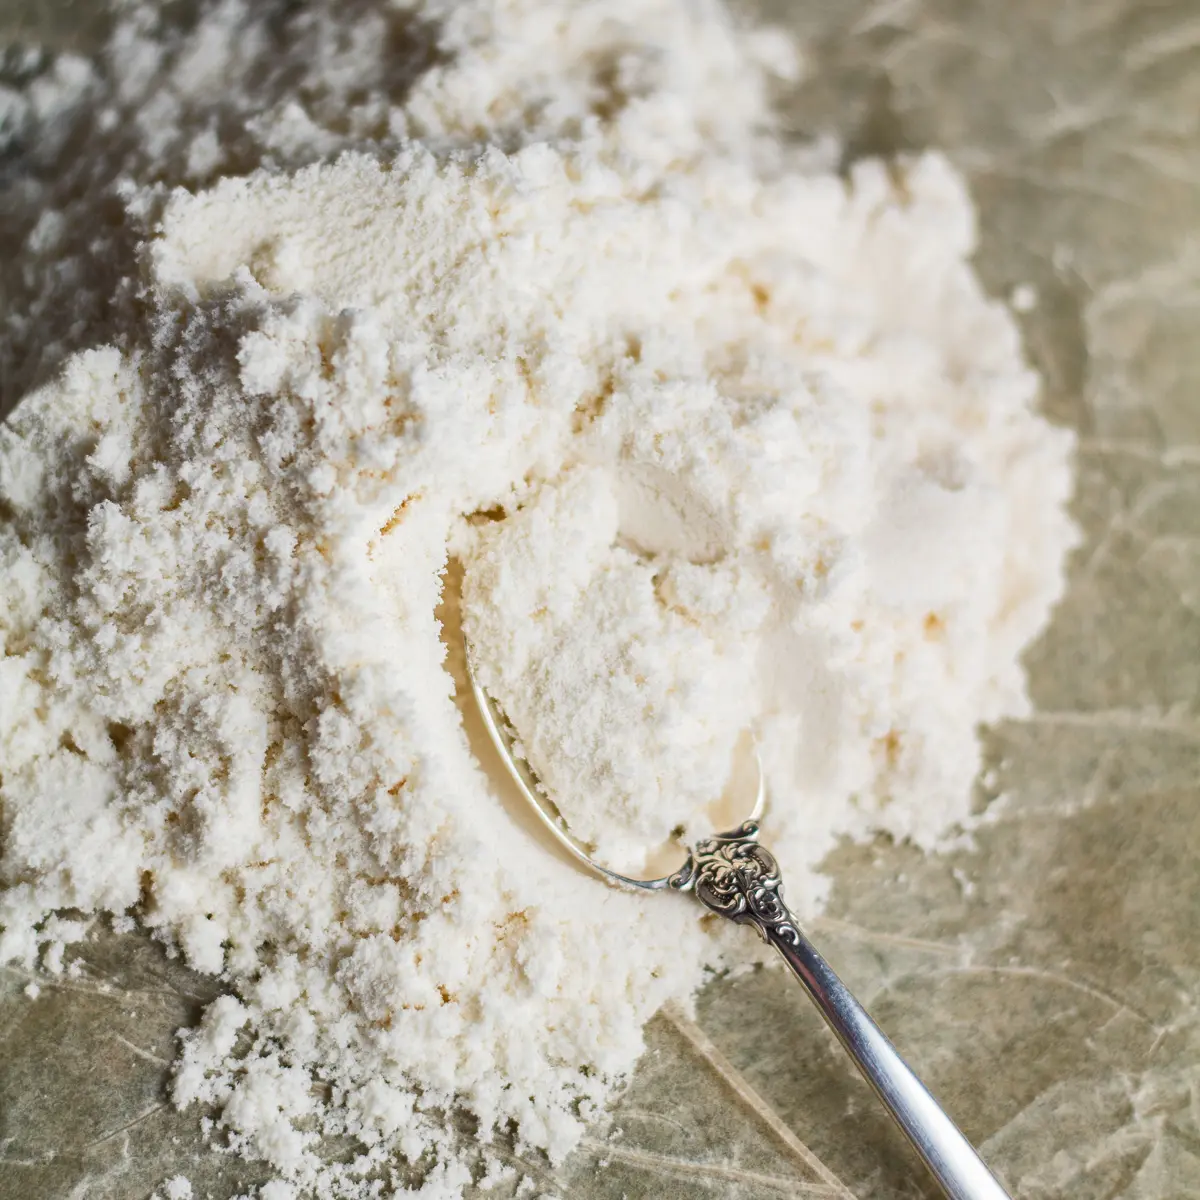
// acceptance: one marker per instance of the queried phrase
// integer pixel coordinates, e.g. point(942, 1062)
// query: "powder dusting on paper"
point(724, 441)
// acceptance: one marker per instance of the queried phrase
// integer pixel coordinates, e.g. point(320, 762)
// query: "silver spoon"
point(732, 875)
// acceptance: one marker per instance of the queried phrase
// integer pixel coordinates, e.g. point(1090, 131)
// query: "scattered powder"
point(1023, 298)
point(178, 1187)
point(312, 301)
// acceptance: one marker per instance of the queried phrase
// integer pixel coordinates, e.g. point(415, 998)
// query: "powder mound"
point(720, 440)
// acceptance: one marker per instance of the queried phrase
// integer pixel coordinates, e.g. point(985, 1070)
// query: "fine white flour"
point(722, 441)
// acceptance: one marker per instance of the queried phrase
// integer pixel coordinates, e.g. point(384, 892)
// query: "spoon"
point(733, 875)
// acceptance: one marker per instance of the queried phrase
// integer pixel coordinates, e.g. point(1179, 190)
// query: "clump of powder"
point(721, 439)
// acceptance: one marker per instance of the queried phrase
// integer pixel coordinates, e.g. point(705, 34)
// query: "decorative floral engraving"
point(734, 876)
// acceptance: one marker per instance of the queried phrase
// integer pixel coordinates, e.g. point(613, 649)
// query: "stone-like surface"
point(1045, 983)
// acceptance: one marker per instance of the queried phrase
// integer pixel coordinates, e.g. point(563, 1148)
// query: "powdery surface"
point(765, 457)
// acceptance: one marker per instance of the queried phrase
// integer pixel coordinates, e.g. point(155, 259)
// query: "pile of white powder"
point(314, 300)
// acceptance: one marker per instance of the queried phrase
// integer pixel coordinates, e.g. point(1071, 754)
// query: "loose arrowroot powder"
point(311, 300)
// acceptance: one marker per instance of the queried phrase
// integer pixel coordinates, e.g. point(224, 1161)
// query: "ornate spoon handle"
point(734, 876)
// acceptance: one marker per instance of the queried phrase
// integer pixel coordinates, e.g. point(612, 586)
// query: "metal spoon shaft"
point(944, 1150)
point(734, 876)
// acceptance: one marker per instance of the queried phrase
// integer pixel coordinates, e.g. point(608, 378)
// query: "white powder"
point(724, 442)
point(1023, 298)
point(178, 1187)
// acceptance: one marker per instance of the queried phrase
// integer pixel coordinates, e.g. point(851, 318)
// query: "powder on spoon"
point(754, 449)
